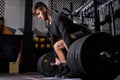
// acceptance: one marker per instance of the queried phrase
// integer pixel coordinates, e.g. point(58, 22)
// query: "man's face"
point(41, 14)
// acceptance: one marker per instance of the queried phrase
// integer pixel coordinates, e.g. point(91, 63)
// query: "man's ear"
point(43, 9)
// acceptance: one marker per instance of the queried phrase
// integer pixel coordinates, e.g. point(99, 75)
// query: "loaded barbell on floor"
point(88, 57)
point(92, 56)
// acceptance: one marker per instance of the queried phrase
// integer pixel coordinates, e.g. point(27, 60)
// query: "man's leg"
point(59, 46)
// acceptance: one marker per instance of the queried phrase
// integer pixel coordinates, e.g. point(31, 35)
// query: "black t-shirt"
point(61, 27)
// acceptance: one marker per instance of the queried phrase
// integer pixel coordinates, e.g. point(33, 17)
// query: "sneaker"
point(63, 72)
point(70, 75)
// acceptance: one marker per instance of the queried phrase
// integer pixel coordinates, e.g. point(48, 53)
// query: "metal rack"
point(91, 9)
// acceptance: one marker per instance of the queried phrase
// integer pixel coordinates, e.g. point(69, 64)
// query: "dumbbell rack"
point(41, 45)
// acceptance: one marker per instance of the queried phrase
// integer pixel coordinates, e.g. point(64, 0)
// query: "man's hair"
point(38, 5)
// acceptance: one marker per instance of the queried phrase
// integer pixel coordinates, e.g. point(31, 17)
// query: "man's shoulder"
point(56, 17)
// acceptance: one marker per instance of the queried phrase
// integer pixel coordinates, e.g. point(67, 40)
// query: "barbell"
point(93, 56)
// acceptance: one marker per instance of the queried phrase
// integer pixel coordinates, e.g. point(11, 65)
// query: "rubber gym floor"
point(34, 76)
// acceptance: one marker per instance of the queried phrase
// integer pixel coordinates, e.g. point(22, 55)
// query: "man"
point(62, 30)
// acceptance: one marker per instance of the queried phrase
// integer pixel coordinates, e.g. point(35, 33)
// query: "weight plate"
point(87, 56)
point(44, 66)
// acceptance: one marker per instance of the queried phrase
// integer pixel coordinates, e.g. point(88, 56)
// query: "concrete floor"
point(30, 76)
point(34, 76)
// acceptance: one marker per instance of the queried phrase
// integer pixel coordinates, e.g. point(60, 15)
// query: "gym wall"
point(2, 7)
point(14, 15)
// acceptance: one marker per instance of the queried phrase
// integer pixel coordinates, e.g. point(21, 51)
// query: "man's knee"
point(59, 45)
point(55, 46)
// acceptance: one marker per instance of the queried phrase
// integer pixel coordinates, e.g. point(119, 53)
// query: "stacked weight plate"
point(90, 56)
